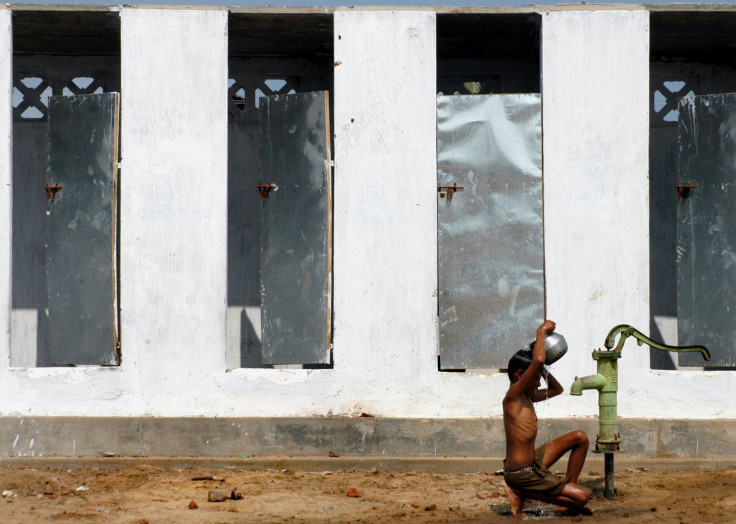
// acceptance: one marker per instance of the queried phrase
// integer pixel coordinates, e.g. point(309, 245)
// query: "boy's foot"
point(517, 503)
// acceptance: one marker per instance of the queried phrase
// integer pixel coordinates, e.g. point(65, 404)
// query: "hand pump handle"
point(629, 331)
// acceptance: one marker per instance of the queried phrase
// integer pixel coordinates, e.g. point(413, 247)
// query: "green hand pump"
point(605, 381)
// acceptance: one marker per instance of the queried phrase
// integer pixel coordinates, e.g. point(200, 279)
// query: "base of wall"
point(317, 437)
point(438, 465)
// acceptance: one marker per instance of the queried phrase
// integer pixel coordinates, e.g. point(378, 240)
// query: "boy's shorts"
point(534, 477)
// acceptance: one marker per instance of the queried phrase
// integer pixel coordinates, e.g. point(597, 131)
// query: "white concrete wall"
point(174, 202)
point(385, 305)
point(173, 241)
point(385, 210)
point(595, 86)
point(386, 206)
point(596, 128)
point(173, 237)
point(6, 189)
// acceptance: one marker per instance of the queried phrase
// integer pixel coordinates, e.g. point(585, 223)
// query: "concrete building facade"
point(186, 368)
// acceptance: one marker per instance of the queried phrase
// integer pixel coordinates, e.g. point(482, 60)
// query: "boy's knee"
point(581, 438)
point(581, 495)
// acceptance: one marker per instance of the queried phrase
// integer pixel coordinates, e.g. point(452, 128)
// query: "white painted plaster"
point(6, 189)
point(385, 342)
point(595, 88)
point(385, 195)
point(24, 329)
point(173, 241)
point(174, 208)
point(595, 74)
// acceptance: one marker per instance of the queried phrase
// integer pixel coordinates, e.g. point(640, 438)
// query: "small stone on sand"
point(215, 496)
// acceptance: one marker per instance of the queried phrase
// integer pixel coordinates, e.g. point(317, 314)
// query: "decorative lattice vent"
point(664, 100)
point(31, 93)
point(245, 91)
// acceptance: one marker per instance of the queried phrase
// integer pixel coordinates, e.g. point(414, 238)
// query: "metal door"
point(706, 228)
point(296, 235)
point(490, 234)
point(81, 229)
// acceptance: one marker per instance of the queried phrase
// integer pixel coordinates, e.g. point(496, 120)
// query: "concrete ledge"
point(355, 437)
point(439, 465)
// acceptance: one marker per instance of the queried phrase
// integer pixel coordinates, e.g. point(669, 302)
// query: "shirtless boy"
point(525, 468)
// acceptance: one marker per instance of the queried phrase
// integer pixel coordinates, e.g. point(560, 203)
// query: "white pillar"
point(6, 186)
point(174, 200)
point(595, 71)
point(385, 200)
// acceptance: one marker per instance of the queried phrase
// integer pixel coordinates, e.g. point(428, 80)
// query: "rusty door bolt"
point(683, 190)
point(52, 190)
point(450, 190)
point(264, 189)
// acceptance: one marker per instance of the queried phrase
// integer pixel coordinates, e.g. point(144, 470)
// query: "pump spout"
point(596, 381)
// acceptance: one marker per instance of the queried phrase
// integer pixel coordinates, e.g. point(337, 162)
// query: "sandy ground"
point(152, 494)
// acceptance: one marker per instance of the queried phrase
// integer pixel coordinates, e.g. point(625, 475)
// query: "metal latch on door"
point(683, 190)
point(52, 190)
point(264, 189)
point(450, 190)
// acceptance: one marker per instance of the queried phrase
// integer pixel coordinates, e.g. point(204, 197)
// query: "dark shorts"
point(533, 477)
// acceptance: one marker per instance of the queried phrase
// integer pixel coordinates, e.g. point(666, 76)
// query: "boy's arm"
point(554, 388)
point(538, 357)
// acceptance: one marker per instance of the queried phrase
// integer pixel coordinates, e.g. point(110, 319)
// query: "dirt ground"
point(151, 494)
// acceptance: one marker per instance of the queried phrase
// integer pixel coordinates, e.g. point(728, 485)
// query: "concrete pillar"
point(385, 201)
point(173, 200)
point(6, 189)
point(595, 78)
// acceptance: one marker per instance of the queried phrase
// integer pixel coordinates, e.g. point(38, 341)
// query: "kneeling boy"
point(525, 468)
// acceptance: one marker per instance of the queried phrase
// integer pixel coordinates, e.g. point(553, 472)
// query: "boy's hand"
point(539, 351)
point(546, 327)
